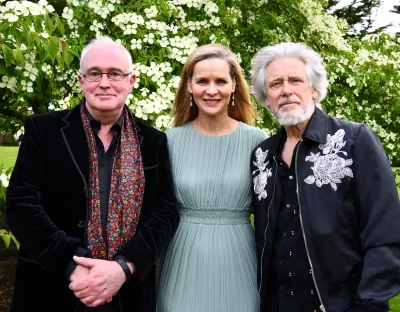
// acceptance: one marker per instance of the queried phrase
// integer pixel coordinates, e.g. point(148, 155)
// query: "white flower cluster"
point(151, 12)
point(46, 69)
point(153, 103)
point(63, 103)
point(68, 15)
point(234, 14)
point(97, 27)
point(5, 179)
point(195, 25)
point(149, 38)
point(351, 81)
point(27, 86)
point(161, 28)
point(179, 11)
point(154, 71)
point(327, 26)
point(181, 47)
point(128, 22)
point(189, 3)
point(136, 44)
point(18, 133)
point(163, 122)
point(238, 57)
point(210, 8)
point(31, 71)
point(251, 18)
point(9, 83)
point(215, 21)
point(13, 9)
point(100, 8)
point(212, 38)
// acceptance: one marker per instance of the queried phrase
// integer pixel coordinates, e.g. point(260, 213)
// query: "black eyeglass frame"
point(105, 73)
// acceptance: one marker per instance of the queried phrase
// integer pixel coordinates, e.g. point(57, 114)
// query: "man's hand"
point(103, 281)
point(79, 273)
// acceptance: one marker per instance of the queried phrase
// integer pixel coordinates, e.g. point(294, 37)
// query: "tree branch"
point(10, 113)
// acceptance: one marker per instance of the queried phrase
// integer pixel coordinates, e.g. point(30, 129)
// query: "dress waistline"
point(192, 215)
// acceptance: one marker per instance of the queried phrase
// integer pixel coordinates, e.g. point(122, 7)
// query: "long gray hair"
point(316, 72)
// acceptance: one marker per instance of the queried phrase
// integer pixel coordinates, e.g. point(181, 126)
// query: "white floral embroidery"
point(260, 181)
point(330, 168)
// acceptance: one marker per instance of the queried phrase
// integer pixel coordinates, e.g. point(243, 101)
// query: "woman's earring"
point(233, 99)
point(190, 100)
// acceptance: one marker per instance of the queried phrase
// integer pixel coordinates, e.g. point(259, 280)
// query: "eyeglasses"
point(114, 75)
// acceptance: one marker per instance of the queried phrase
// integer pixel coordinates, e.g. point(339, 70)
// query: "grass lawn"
point(8, 155)
point(395, 304)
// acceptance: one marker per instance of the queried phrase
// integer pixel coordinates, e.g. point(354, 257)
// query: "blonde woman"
point(210, 265)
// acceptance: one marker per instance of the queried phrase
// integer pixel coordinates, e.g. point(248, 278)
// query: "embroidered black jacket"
point(349, 213)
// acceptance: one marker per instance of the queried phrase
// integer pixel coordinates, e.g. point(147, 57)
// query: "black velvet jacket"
point(349, 213)
point(47, 212)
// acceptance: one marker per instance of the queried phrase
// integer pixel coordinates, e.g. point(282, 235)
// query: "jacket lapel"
point(75, 140)
point(317, 128)
point(140, 136)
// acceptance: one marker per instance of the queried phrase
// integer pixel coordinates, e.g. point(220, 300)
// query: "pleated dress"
point(210, 264)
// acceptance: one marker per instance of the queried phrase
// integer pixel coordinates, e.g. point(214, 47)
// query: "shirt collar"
point(95, 124)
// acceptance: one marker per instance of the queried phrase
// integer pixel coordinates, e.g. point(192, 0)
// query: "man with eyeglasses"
point(91, 198)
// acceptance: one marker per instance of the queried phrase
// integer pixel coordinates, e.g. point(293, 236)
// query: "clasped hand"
point(96, 281)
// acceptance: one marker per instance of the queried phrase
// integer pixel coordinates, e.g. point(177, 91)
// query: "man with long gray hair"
point(327, 212)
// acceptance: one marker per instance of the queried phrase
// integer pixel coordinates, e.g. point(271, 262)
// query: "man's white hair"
point(105, 40)
point(315, 70)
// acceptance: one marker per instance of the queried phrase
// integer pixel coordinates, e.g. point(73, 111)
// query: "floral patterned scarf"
point(126, 190)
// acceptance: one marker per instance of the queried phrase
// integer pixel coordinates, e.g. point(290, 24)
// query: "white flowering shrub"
point(365, 87)
point(39, 57)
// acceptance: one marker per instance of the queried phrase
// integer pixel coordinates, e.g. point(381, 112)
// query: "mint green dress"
point(210, 264)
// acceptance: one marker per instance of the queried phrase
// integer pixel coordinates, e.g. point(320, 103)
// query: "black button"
point(102, 165)
point(285, 234)
point(81, 223)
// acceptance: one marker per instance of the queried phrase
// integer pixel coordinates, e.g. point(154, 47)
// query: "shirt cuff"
point(80, 252)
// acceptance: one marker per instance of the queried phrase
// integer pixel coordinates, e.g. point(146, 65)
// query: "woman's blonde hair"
point(243, 109)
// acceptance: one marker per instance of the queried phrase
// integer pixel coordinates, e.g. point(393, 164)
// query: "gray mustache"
point(288, 100)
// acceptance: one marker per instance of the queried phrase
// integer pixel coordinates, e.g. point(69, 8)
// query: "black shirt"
point(105, 161)
point(291, 280)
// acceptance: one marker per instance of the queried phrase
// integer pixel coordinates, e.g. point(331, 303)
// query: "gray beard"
point(288, 118)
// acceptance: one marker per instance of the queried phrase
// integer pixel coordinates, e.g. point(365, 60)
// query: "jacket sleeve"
point(45, 244)
point(153, 237)
point(377, 201)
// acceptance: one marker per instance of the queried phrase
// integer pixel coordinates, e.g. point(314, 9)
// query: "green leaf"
point(37, 40)
point(60, 26)
point(38, 23)
point(49, 24)
point(42, 53)
point(8, 55)
point(30, 40)
point(4, 25)
point(6, 238)
point(60, 60)
point(52, 47)
point(64, 46)
point(19, 57)
point(68, 58)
